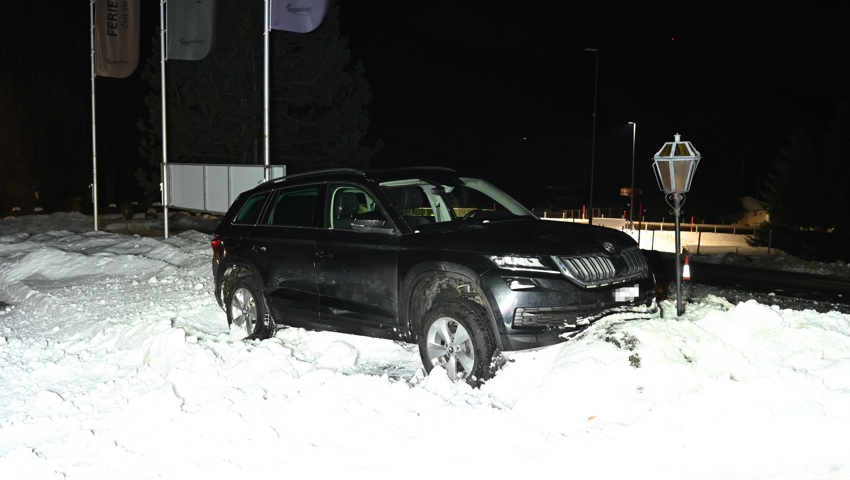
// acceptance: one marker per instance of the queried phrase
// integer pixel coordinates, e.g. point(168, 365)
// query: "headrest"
point(348, 204)
point(407, 198)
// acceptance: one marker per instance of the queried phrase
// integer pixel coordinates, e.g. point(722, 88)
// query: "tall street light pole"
point(632, 191)
point(593, 140)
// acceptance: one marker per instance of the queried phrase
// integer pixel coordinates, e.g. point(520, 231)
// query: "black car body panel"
point(357, 277)
point(412, 243)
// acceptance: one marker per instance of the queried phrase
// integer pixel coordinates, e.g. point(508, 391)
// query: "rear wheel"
point(455, 336)
point(247, 308)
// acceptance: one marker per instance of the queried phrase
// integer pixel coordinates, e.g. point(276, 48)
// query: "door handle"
point(324, 255)
point(258, 249)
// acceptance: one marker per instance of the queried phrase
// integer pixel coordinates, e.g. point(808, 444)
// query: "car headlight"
point(516, 262)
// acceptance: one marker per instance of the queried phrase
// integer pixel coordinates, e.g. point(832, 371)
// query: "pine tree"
point(787, 198)
point(318, 100)
point(150, 144)
point(789, 187)
point(44, 135)
point(808, 193)
point(215, 106)
point(834, 190)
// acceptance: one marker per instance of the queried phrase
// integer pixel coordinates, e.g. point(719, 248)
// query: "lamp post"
point(675, 165)
point(593, 140)
point(632, 192)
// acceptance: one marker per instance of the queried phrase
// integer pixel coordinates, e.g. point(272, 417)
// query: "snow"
point(116, 362)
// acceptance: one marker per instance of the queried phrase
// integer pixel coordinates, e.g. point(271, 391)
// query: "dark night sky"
point(463, 83)
point(460, 84)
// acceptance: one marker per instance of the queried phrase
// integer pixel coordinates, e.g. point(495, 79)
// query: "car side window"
point(346, 202)
point(413, 205)
point(293, 207)
point(250, 212)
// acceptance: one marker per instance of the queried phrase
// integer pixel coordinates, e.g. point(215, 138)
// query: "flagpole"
point(93, 122)
point(164, 184)
point(266, 35)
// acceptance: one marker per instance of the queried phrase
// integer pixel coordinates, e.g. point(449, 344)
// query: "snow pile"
point(116, 362)
point(109, 222)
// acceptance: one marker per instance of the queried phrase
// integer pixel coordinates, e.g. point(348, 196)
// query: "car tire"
point(247, 308)
point(455, 335)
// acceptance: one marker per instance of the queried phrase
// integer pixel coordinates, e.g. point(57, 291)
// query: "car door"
point(356, 271)
point(283, 250)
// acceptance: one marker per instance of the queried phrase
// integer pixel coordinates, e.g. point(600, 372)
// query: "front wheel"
point(247, 308)
point(455, 336)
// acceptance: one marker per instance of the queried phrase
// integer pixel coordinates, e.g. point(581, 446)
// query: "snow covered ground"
point(116, 362)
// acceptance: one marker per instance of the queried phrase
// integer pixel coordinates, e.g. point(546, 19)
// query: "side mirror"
point(370, 222)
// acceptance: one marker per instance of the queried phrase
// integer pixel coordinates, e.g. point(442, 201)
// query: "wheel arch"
point(434, 282)
point(232, 270)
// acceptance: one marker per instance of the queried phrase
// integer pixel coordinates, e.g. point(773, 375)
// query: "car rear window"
point(250, 212)
point(293, 207)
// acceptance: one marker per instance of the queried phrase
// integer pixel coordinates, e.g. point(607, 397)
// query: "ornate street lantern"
point(675, 165)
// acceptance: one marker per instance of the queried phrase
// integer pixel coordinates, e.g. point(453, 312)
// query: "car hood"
point(523, 236)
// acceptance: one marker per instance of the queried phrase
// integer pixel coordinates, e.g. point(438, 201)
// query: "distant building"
point(753, 212)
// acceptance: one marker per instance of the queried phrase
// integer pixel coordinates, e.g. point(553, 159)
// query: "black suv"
point(422, 255)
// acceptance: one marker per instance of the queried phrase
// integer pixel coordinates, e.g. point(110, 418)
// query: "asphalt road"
point(773, 287)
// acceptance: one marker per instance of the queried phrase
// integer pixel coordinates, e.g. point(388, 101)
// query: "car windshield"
point(433, 201)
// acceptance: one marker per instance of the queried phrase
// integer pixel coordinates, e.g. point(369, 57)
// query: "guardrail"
point(697, 239)
point(566, 215)
point(697, 227)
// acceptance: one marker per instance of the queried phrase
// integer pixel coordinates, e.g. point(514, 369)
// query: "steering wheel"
point(472, 214)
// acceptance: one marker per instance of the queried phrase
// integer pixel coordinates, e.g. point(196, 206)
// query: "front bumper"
point(536, 311)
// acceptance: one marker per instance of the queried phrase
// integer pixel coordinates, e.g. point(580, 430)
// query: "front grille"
point(599, 270)
point(549, 316)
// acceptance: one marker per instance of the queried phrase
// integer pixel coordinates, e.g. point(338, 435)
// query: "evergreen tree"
point(789, 187)
point(44, 133)
point(215, 106)
point(788, 195)
point(318, 115)
point(150, 144)
point(835, 186)
point(809, 193)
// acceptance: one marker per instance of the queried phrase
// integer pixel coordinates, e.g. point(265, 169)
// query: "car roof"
point(379, 174)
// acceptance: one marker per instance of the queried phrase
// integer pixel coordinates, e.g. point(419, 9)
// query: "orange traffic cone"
point(686, 271)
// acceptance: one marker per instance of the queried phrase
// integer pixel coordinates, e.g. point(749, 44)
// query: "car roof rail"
point(354, 171)
point(359, 172)
point(413, 169)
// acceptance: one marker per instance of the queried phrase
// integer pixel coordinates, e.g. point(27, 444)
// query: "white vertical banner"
point(189, 29)
point(299, 16)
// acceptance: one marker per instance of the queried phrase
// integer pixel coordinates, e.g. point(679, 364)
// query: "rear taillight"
point(217, 245)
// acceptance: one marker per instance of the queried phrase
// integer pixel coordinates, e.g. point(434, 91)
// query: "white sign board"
point(212, 188)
